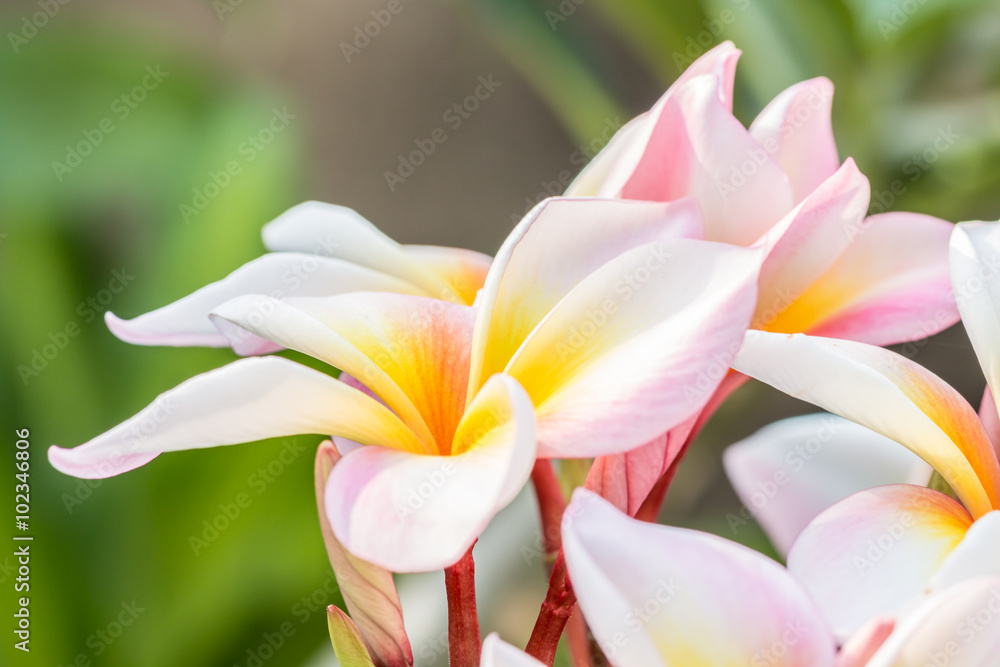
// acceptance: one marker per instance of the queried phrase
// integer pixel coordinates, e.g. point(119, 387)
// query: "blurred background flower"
point(143, 145)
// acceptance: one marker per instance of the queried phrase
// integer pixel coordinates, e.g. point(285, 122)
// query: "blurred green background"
point(115, 115)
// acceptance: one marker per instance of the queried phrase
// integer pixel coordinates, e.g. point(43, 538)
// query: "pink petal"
point(698, 149)
point(657, 595)
point(417, 513)
point(794, 128)
point(612, 168)
point(806, 243)
point(186, 322)
point(874, 553)
point(250, 399)
point(859, 649)
point(891, 285)
point(787, 473)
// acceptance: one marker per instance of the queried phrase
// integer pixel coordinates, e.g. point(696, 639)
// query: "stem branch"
point(554, 614)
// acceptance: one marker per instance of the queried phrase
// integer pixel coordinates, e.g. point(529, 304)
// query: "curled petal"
point(890, 395)
point(417, 513)
point(628, 354)
point(697, 148)
point(368, 590)
point(284, 274)
point(612, 168)
point(657, 595)
point(795, 129)
point(874, 553)
point(251, 399)
point(337, 231)
point(790, 471)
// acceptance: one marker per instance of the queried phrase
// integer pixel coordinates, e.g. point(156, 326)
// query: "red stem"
point(650, 508)
point(556, 610)
point(551, 505)
point(464, 639)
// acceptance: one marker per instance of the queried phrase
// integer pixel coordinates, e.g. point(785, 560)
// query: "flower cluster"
point(691, 254)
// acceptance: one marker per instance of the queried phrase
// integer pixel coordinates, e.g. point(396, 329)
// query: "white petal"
point(790, 471)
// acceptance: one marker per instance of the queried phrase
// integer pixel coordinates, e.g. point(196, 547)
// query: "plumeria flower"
point(779, 185)
point(581, 345)
point(879, 550)
point(316, 249)
point(658, 595)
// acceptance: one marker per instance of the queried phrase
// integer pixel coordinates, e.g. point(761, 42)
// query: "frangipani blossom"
point(779, 185)
point(877, 551)
point(316, 249)
point(581, 345)
point(657, 595)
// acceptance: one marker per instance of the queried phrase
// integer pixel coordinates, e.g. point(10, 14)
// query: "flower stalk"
point(464, 639)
